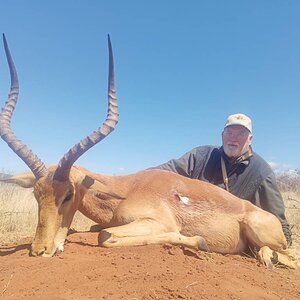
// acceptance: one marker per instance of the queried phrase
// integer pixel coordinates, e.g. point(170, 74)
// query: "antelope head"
point(59, 188)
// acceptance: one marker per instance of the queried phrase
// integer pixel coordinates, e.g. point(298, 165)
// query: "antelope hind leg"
point(264, 230)
point(288, 258)
point(270, 258)
point(146, 232)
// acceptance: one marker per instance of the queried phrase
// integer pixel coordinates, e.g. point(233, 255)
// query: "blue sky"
point(181, 68)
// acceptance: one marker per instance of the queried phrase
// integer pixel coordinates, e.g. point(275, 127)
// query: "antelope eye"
point(68, 197)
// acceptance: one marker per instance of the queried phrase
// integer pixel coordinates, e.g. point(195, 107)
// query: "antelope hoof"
point(104, 238)
point(202, 245)
point(267, 257)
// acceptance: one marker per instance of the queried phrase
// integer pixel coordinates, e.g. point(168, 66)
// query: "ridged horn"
point(31, 160)
point(65, 164)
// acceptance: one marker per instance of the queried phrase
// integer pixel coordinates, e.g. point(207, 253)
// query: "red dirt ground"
point(87, 271)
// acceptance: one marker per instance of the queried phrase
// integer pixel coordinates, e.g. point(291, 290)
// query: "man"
point(236, 168)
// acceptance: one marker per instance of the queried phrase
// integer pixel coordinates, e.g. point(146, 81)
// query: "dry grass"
point(289, 186)
point(292, 204)
point(18, 212)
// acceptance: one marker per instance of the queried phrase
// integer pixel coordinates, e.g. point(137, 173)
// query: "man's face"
point(236, 140)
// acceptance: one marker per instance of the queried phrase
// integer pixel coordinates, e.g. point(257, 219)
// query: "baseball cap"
point(239, 119)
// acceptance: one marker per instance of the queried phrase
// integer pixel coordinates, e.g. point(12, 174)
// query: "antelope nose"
point(38, 252)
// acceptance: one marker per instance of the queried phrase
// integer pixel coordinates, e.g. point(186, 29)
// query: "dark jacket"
point(250, 177)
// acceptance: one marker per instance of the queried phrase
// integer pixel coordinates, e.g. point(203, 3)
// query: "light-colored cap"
point(239, 119)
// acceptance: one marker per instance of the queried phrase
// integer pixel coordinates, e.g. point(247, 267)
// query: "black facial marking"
point(88, 181)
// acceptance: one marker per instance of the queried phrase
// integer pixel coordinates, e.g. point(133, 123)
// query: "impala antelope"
point(148, 207)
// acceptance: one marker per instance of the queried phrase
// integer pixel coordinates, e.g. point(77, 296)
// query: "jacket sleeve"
point(184, 165)
point(270, 199)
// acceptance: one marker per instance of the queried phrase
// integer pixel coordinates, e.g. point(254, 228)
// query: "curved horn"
point(31, 160)
point(65, 164)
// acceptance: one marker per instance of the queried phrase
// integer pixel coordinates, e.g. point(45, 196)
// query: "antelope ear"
point(25, 180)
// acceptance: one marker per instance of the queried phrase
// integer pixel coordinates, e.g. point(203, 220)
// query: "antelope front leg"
point(146, 232)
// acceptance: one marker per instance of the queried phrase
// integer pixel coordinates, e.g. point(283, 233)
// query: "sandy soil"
point(86, 271)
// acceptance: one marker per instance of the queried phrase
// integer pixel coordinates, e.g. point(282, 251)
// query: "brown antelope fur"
point(148, 207)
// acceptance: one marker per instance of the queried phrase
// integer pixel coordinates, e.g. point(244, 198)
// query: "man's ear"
point(250, 139)
point(25, 180)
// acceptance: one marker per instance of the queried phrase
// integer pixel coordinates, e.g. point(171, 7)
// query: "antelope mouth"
point(38, 249)
point(43, 252)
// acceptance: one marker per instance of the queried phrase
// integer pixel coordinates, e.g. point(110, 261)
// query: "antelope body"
point(148, 207)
